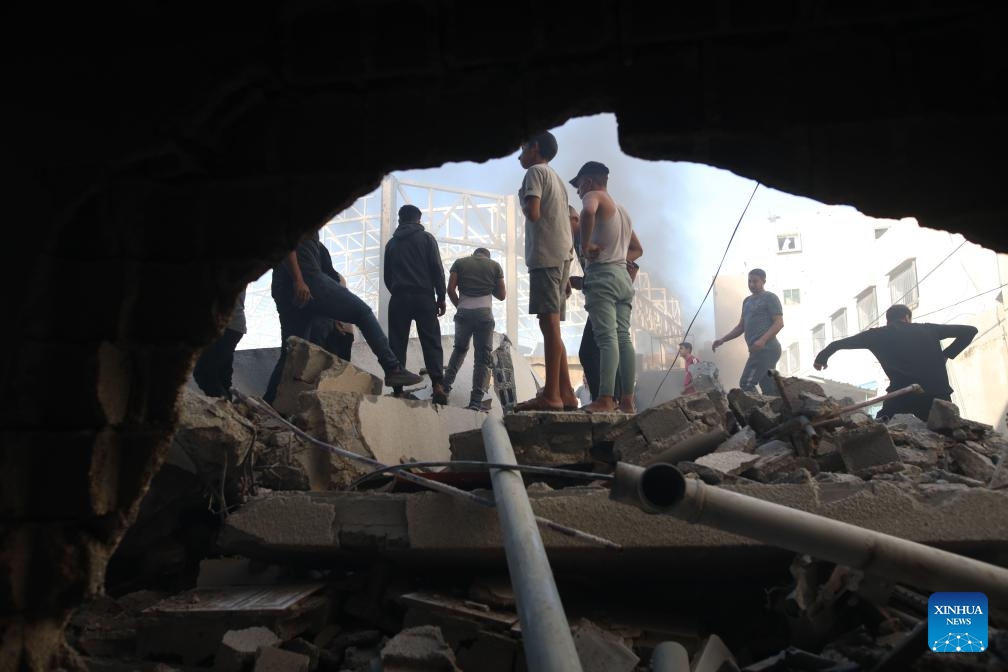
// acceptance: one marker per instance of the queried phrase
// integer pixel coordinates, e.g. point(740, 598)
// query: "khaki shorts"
point(547, 290)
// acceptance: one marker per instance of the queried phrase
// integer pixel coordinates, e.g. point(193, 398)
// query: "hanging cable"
point(953, 305)
point(713, 280)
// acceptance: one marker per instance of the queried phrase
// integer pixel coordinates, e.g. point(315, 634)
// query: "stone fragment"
point(601, 651)
point(238, 648)
point(943, 476)
point(763, 419)
point(944, 417)
point(774, 447)
point(743, 440)
point(272, 659)
point(218, 440)
point(421, 648)
point(705, 474)
point(920, 457)
point(662, 421)
point(728, 463)
point(741, 403)
point(866, 447)
point(1000, 478)
point(305, 648)
point(309, 367)
point(971, 463)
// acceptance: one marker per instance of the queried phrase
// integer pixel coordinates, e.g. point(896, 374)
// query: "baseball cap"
point(590, 168)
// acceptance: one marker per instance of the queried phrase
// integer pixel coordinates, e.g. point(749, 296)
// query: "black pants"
point(916, 404)
point(404, 309)
point(591, 363)
point(215, 366)
point(293, 322)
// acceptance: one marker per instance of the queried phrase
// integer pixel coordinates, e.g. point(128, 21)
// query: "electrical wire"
point(713, 280)
point(953, 305)
point(524, 468)
point(916, 284)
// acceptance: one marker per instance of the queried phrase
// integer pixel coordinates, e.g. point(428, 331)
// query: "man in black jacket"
point(909, 353)
point(304, 291)
point(415, 278)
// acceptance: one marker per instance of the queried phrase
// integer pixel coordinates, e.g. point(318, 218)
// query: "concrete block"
point(309, 367)
point(763, 419)
point(662, 421)
point(239, 648)
point(730, 463)
point(421, 648)
point(743, 441)
point(387, 429)
point(272, 659)
point(971, 463)
point(944, 417)
point(866, 447)
point(601, 651)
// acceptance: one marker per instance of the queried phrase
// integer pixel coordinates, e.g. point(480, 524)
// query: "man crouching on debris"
point(909, 353)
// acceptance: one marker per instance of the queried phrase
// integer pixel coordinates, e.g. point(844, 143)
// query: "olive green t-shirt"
point(477, 275)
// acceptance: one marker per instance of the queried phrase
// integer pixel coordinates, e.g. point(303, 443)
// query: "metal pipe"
point(546, 635)
point(691, 448)
point(915, 389)
point(662, 488)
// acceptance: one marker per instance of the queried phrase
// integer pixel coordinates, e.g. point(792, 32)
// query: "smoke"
point(683, 213)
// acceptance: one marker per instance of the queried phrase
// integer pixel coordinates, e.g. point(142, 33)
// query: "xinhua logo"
point(957, 622)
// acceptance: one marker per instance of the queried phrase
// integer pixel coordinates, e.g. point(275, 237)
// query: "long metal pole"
point(662, 488)
point(546, 634)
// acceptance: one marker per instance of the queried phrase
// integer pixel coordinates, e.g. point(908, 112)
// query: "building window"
point(903, 284)
point(818, 339)
point(788, 242)
point(838, 321)
point(792, 297)
point(867, 309)
point(794, 362)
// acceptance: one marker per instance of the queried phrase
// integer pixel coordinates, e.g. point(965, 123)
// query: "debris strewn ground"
point(257, 549)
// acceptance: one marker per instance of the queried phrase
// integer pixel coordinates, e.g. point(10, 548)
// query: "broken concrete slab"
point(239, 648)
point(558, 437)
point(447, 531)
point(970, 462)
point(743, 440)
point(773, 447)
point(309, 367)
point(386, 429)
point(865, 447)
point(490, 652)
point(191, 624)
point(741, 403)
point(274, 659)
point(731, 463)
point(1000, 478)
point(601, 651)
point(418, 649)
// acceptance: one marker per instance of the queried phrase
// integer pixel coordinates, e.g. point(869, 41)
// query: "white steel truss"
point(462, 220)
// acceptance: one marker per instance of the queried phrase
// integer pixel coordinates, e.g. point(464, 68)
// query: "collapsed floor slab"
point(436, 528)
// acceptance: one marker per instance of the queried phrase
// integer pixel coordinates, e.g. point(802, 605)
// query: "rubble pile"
point(276, 563)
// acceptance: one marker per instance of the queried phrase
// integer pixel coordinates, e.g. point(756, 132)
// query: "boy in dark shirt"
point(909, 353)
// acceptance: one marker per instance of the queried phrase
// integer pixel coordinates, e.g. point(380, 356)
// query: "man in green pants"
point(606, 236)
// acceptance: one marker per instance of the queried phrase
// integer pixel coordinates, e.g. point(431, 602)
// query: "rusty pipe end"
point(655, 489)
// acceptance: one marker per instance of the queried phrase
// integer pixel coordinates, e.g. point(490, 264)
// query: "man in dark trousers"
point(478, 279)
point(215, 366)
point(909, 353)
point(415, 278)
point(303, 291)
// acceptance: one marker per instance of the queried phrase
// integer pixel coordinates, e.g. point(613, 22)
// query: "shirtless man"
point(607, 239)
